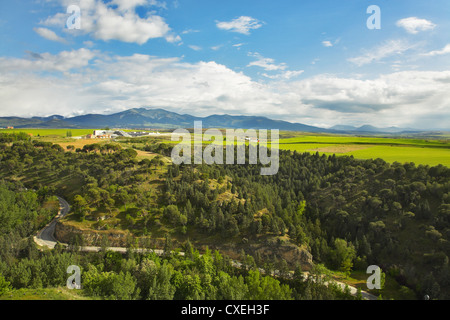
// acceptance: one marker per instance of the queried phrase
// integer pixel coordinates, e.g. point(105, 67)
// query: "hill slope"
point(155, 118)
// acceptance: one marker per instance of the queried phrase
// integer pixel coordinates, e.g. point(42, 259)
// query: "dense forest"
point(111, 275)
point(347, 213)
point(350, 213)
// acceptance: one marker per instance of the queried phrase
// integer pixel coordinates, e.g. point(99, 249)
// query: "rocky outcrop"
point(270, 248)
point(66, 233)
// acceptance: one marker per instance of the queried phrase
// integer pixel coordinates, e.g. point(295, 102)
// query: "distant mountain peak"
point(158, 118)
point(146, 117)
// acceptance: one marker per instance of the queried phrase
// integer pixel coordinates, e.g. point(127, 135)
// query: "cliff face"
point(65, 233)
point(293, 254)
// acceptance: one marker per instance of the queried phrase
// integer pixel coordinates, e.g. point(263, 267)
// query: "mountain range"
point(146, 118)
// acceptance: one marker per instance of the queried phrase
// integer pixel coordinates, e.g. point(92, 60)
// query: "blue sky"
point(314, 62)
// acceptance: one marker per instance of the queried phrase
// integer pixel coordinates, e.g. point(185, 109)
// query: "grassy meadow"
point(50, 132)
point(419, 151)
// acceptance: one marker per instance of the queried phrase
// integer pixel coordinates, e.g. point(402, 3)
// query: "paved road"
point(353, 290)
point(46, 238)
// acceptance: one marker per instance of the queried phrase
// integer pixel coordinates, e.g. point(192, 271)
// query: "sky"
point(322, 63)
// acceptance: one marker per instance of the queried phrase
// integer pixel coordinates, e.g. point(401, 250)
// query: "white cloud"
point(445, 50)
point(286, 75)
point(327, 43)
point(127, 5)
point(195, 48)
point(238, 45)
point(190, 31)
point(242, 25)
point(156, 3)
point(267, 64)
point(49, 35)
point(416, 89)
point(117, 20)
point(62, 62)
point(389, 48)
point(85, 81)
point(124, 82)
point(88, 44)
point(414, 25)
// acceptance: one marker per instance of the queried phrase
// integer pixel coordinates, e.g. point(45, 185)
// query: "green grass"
point(61, 293)
point(425, 156)
point(50, 132)
point(430, 152)
point(392, 289)
point(419, 151)
point(365, 140)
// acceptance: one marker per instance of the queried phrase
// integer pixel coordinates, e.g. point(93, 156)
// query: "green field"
point(50, 132)
point(419, 151)
point(391, 149)
point(425, 152)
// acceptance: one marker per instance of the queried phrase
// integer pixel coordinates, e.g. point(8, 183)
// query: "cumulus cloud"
point(413, 89)
point(86, 81)
point(62, 62)
point(117, 20)
point(124, 82)
point(387, 49)
point(242, 25)
point(49, 34)
point(414, 25)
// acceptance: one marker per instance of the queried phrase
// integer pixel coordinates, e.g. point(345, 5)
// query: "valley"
point(323, 211)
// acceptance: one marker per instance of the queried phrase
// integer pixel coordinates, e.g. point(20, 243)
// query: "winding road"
point(46, 238)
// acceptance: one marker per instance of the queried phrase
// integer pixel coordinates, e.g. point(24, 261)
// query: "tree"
point(161, 287)
point(123, 197)
point(172, 213)
point(122, 287)
point(5, 286)
point(80, 206)
point(266, 288)
point(343, 255)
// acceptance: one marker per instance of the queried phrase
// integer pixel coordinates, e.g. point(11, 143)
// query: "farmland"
point(419, 151)
point(50, 132)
